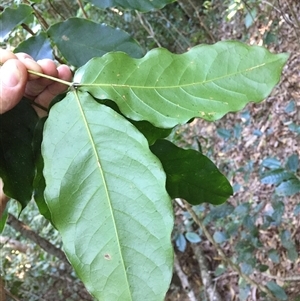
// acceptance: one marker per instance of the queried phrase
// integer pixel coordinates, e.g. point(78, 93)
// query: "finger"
point(45, 97)
point(54, 89)
point(6, 55)
point(13, 78)
point(36, 86)
point(30, 64)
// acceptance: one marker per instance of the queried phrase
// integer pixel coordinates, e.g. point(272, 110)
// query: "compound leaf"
point(166, 89)
point(191, 175)
point(90, 40)
point(106, 193)
point(140, 5)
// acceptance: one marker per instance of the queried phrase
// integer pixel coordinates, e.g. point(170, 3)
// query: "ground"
point(245, 139)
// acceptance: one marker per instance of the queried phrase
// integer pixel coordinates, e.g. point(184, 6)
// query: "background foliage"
point(240, 227)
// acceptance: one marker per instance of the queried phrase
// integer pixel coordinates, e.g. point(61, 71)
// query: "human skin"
point(16, 82)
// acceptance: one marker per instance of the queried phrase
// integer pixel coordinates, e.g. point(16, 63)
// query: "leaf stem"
point(55, 79)
point(64, 82)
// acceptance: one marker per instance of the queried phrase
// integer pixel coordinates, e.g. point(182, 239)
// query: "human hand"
point(16, 82)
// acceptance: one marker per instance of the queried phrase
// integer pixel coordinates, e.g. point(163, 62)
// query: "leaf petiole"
point(70, 84)
point(64, 82)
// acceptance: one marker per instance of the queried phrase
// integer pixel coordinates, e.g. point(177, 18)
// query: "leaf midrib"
point(105, 184)
point(174, 86)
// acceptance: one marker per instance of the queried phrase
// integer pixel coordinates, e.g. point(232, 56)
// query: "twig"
point(82, 8)
point(184, 280)
point(28, 29)
point(149, 29)
point(27, 232)
point(8, 293)
point(234, 266)
point(2, 290)
point(283, 279)
point(55, 10)
point(210, 287)
point(202, 23)
point(38, 15)
point(175, 29)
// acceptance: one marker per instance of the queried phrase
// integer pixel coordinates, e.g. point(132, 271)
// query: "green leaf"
point(192, 237)
point(294, 128)
point(3, 219)
point(218, 212)
point(297, 209)
point(12, 17)
point(276, 176)
point(220, 237)
point(289, 187)
point(271, 163)
point(106, 193)
point(38, 47)
point(292, 163)
point(180, 242)
point(140, 5)
point(246, 268)
point(79, 40)
point(244, 290)
point(39, 183)
point(191, 175)
point(151, 132)
point(277, 291)
point(17, 167)
point(166, 89)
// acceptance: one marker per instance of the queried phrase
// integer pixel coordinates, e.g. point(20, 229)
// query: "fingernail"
point(10, 75)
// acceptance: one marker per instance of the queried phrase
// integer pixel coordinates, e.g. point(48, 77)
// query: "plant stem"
point(55, 79)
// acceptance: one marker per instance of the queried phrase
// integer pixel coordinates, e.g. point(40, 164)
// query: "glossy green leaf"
point(38, 47)
point(12, 17)
point(39, 183)
point(191, 175)
point(79, 40)
point(106, 193)
point(140, 5)
point(166, 89)
point(16, 153)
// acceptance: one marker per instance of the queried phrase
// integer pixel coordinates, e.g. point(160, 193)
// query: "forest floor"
point(238, 144)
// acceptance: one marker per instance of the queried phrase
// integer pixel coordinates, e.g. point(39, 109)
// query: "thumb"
point(13, 79)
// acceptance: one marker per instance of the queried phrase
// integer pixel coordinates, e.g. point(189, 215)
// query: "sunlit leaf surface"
point(166, 89)
point(106, 193)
